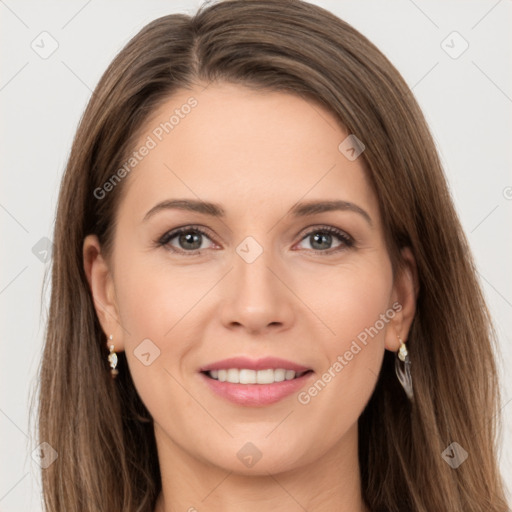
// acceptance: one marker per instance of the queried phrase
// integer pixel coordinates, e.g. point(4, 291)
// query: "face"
point(256, 276)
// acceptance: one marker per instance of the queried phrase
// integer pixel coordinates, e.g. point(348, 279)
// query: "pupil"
point(321, 236)
point(189, 238)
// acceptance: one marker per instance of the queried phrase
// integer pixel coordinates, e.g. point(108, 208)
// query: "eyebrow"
point(298, 210)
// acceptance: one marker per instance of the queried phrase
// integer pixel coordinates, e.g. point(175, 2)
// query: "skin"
point(256, 154)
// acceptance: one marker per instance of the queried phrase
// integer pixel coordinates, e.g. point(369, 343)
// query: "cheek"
point(153, 304)
point(153, 299)
point(351, 299)
point(358, 312)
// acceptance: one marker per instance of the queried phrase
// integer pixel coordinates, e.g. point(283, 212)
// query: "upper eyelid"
point(171, 233)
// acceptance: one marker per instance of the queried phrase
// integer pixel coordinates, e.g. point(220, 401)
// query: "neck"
point(330, 483)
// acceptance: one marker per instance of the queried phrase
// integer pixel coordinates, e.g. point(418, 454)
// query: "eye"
point(322, 236)
point(188, 238)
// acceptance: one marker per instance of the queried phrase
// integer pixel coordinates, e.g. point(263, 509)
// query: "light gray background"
point(467, 102)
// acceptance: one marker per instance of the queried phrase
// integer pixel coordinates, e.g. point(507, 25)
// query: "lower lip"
point(256, 395)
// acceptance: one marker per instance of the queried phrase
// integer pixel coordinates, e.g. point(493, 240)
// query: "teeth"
point(245, 376)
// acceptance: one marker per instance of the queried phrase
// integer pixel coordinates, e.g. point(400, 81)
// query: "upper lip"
point(264, 363)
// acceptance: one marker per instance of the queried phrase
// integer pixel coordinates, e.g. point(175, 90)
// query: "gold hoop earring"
point(112, 359)
point(403, 369)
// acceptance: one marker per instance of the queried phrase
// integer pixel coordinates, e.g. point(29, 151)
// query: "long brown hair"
point(102, 432)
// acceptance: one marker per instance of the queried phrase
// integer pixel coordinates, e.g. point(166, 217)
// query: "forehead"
point(245, 149)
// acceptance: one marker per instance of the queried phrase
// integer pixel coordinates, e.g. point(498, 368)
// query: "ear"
point(102, 288)
point(404, 296)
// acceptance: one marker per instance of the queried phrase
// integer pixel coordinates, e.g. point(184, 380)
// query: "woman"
point(258, 368)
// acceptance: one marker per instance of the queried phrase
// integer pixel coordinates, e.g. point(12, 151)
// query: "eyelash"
point(348, 241)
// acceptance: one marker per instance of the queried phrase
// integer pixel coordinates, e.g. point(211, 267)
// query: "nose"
point(258, 297)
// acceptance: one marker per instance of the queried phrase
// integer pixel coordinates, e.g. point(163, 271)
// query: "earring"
point(112, 359)
point(403, 369)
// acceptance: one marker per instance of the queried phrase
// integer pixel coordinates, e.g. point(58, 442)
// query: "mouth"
point(250, 382)
point(248, 376)
point(255, 387)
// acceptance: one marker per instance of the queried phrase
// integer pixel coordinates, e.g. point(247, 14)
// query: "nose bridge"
point(257, 298)
point(252, 262)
